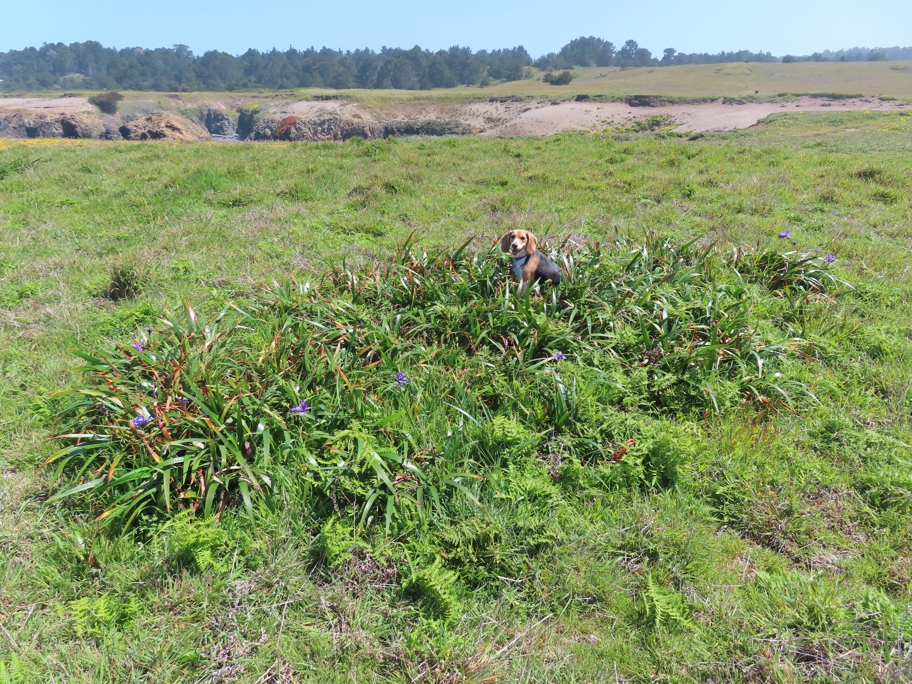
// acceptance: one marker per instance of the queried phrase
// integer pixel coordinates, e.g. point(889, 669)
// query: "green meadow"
point(690, 462)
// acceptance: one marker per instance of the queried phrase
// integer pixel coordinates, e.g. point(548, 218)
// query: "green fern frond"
point(666, 607)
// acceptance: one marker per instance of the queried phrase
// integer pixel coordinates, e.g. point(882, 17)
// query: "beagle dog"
point(529, 264)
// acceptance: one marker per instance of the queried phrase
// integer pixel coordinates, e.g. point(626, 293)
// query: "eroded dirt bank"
point(271, 118)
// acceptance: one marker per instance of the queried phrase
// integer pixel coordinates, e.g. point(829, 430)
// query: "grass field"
point(711, 485)
point(742, 79)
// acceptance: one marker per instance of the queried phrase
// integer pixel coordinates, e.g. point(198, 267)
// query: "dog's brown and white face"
point(518, 243)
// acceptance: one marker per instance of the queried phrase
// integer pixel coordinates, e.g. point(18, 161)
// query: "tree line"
point(90, 65)
point(855, 54)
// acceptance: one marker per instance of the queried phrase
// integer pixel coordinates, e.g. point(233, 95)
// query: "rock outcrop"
point(163, 127)
point(648, 101)
point(247, 120)
point(250, 126)
point(70, 125)
point(435, 127)
point(218, 123)
point(315, 130)
point(13, 126)
point(342, 128)
point(82, 126)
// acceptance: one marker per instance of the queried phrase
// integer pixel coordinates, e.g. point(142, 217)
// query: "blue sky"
point(780, 26)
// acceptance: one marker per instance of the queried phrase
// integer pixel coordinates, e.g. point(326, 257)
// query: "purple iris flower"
point(139, 421)
point(830, 258)
point(401, 378)
point(559, 356)
point(138, 346)
point(300, 408)
point(785, 234)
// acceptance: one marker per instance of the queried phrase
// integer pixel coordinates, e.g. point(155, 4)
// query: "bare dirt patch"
point(47, 106)
point(547, 118)
point(319, 108)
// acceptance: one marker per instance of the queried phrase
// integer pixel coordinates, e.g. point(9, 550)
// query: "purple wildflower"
point(138, 346)
point(155, 394)
point(103, 409)
point(139, 421)
point(559, 356)
point(300, 408)
point(785, 234)
point(149, 330)
point(794, 243)
point(184, 401)
point(401, 378)
point(830, 258)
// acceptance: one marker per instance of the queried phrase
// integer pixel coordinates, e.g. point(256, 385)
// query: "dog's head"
point(519, 242)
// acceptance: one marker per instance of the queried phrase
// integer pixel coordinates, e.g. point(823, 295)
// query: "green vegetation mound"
point(381, 397)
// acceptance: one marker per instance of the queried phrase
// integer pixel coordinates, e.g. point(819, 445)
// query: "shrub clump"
point(558, 78)
point(107, 102)
point(125, 283)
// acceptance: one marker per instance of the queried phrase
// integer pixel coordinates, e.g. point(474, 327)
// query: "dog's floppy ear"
point(505, 243)
point(531, 244)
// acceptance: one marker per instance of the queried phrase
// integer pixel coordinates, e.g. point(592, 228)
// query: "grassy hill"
point(708, 483)
point(742, 79)
point(735, 80)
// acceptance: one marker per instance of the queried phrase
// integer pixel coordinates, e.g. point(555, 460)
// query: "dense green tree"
point(589, 51)
point(552, 61)
point(628, 53)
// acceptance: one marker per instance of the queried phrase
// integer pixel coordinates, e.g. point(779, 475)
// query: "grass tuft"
point(125, 283)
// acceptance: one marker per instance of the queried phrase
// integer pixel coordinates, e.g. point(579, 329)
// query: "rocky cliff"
point(314, 130)
point(75, 125)
point(250, 124)
point(218, 123)
point(163, 127)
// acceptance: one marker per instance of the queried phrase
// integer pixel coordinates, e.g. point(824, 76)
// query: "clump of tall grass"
point(125, 282)
point(389, 397)
point(11, 168)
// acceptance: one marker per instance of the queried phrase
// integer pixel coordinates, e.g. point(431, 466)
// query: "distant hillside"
point(90, 65)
